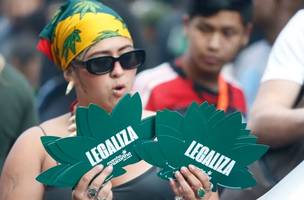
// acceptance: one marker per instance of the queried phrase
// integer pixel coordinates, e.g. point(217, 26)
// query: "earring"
point(69, 87)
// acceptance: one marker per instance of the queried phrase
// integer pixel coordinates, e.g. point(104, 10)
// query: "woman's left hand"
point(192, 184)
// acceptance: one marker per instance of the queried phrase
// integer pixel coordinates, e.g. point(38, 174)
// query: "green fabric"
point(17, 110)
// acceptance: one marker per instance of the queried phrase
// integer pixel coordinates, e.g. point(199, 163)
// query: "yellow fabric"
point(76, 33)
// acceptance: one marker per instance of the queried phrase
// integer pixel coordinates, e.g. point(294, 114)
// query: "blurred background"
point(156, 26)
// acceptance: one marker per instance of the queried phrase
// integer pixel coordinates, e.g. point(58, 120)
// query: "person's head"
point(84, 40)
point(21, 53)
point(272, 15)
point(216, 30)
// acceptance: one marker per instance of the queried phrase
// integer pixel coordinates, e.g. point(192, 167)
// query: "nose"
point(117, 70)
point(214, 42)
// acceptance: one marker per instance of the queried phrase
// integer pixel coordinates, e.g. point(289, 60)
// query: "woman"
point(93, 47)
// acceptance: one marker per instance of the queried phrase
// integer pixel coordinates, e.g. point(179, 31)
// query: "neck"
point(193, 72)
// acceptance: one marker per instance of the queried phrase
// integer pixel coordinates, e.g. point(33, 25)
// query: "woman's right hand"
point(97, 189)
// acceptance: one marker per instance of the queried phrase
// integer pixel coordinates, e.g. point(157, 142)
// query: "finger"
point(192, 180)
point(105, 191)
point(174, 187)
point(110, 196)
point(201, 176)
point(85, 180)
point(99, 180)
point(186, 190)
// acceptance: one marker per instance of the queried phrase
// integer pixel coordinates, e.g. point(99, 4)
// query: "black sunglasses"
point(105, 64)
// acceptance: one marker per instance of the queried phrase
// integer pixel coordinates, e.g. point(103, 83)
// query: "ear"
point(67, 74)
point(247, 33)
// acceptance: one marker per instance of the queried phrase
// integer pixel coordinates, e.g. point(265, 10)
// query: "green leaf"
point(215, 142)
point(151, 151)
point(239, 179)
point(102, 138)
point(70, 43)
point(253, 152)
point(128, 111)
point(48, 177)
point(84, 7)
point(82, 125)
point(169, 118)
point(106, 34)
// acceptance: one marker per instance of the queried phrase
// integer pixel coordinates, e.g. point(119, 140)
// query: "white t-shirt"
point(286, 59)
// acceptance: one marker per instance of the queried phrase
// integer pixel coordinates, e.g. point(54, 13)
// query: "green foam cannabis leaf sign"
point(217, 143)
point(102, 138)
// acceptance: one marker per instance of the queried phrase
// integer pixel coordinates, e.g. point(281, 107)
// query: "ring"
point(92, 193)
point(178, 198)
point(200, 192)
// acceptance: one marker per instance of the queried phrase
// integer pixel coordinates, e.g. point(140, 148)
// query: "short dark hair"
point(211, 7)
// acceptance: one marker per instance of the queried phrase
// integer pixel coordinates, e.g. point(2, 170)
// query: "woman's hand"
point(92, 186)
point(192, 184)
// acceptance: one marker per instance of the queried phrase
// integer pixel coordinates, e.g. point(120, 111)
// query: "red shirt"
point(166, 86)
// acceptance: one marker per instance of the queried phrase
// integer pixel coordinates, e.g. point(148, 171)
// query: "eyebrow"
point(109, 51)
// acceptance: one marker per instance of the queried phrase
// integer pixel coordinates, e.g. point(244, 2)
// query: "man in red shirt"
point(216, 31)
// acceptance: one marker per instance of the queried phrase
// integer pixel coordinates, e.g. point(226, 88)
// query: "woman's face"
point(104, 90)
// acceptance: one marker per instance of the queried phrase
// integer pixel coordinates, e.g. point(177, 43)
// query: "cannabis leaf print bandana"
point(77, 25)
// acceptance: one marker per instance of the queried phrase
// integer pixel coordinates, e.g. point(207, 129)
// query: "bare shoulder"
point(57, 126)
point(148, 113)
point(27, 159)
point(21, 167)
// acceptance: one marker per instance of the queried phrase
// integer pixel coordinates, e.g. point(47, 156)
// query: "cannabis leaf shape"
point(102, 138)
point(217, 143)
point(106, 34)
point(118, 18)
point(84, 7)
point(70, 43)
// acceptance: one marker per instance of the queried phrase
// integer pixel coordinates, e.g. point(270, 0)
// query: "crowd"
point(240, 55)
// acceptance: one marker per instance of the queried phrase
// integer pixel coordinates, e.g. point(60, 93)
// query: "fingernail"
point(192, 167)
point(110, 167)
point(100, 166)
point(183, 169)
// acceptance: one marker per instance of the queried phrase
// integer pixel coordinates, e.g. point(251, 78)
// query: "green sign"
point(216, 142)
point(205, 137)
point(102, 138)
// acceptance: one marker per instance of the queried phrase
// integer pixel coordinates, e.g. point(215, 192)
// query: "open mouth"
point(119, 90)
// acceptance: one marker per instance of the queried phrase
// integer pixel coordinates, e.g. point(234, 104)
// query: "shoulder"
point(52, 127)
point(286, 59)
point(152, 77)
point(57, 126)
point(148, 80)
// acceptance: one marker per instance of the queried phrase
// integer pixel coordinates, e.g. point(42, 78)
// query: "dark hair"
point(211, 7)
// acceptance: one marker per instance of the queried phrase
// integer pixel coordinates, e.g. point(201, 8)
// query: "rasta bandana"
point(77, 25)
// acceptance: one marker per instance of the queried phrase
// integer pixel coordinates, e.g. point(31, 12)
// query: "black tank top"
point(147, 186)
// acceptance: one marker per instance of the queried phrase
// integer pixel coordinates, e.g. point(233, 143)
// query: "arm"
point(22, 165)
point(272, 118)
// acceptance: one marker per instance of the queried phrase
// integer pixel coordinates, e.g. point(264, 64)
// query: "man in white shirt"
point(274, 117)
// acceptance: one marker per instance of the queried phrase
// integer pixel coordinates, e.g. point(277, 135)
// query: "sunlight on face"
point(105, 90)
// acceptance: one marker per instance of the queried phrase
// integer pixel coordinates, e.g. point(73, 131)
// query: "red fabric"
point(178, 94)
point(44, 46)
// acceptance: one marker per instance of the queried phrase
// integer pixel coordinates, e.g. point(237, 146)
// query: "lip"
point(119, 90)
point(211, 60)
